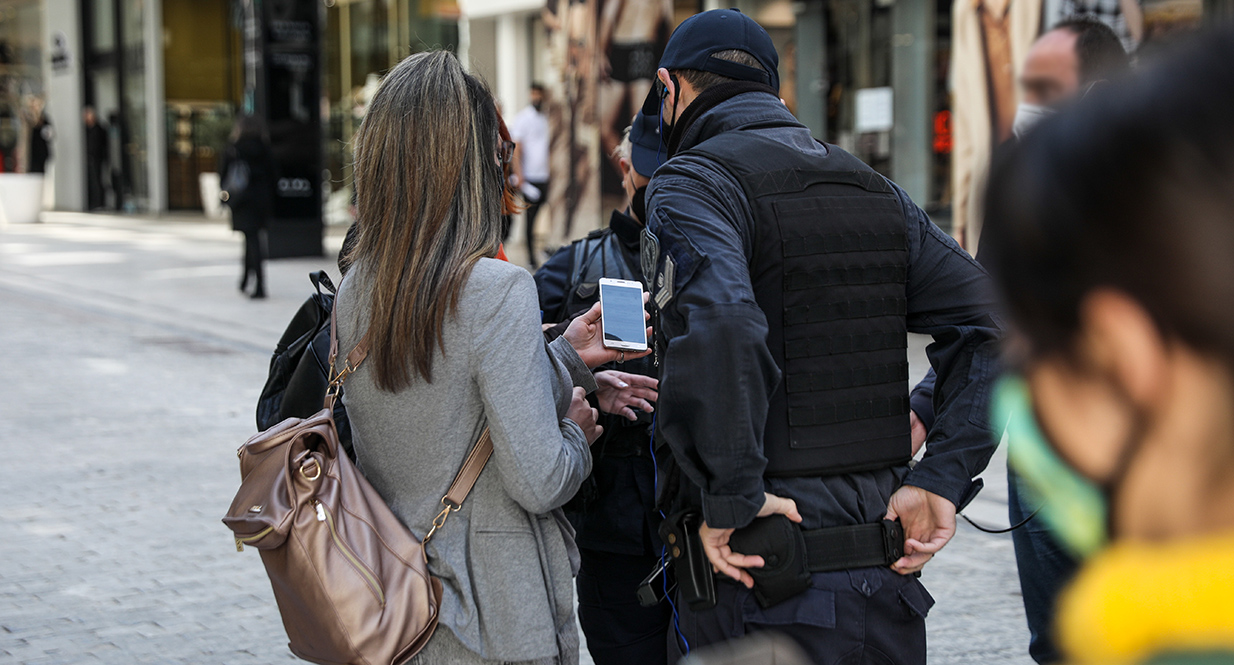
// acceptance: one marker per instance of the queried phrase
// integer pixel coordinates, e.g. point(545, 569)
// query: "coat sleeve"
point(951, 298)
point(542, 458)
point(718, 373)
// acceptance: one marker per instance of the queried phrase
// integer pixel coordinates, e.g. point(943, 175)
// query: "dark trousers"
point(619, 631)
point(851, 617)
point(532, 211)
point(254, 259)
point(1044, 567)
point(96, 196)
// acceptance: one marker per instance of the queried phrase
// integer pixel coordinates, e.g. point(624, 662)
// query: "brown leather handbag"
point(352, 582)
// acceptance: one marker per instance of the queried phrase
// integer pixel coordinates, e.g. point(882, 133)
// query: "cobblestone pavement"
point(133, 369)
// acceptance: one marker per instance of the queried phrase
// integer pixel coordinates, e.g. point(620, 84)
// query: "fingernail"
point(622, 384)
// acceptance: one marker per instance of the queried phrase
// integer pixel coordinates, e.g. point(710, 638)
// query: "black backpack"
point(299, 369)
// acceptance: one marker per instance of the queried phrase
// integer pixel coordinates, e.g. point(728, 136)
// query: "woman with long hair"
point(1111, 235)
point(456, 347)
point(248, 178)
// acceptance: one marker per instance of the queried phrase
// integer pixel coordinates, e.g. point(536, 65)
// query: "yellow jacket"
point(1158, 603)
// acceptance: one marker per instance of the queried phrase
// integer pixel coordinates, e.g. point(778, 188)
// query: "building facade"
point(166, 79)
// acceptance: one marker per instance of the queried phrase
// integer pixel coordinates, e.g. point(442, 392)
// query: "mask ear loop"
point(1109, 486)
point(660, 129)
point(660, 114)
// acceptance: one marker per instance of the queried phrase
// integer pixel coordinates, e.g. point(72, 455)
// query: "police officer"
point(786, 275)
point(614, 513)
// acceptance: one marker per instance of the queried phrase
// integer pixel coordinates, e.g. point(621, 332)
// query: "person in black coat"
point(249, 192)
point(97, 159)
point(41, 135)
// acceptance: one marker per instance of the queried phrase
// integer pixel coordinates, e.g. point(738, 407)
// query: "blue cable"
point(659, 148)
point(651, 445)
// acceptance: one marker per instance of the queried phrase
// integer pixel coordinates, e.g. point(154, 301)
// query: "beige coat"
point(970, 106)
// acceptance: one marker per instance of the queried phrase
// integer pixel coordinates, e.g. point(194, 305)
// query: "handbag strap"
point(476, 460)
point(353, 360)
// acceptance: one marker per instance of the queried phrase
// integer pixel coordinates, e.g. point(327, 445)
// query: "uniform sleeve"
point(951, 298)
point(541, 457)
point(717, 372)
point(551, 281)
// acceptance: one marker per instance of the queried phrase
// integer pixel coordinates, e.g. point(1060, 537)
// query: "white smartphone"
point(621, 314)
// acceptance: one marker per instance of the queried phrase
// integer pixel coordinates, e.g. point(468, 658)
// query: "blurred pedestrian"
point(98, 160)
point(1064, 64)
point(248, 187)
point(614, 513)
point(41, 135)
point(529, 130)
point(1111, 235)
point(455, 347)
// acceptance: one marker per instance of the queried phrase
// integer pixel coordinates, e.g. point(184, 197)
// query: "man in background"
point(97, 159)
point(531, 174)
point(614, 511)
point(1064, 64)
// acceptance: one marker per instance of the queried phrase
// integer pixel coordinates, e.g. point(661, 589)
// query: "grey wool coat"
point(506, 559)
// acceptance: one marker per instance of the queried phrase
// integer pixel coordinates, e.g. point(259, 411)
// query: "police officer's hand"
point(584, 416)
point(620, 393)
point(725, 560)
point(587, 338)
point(929, 523)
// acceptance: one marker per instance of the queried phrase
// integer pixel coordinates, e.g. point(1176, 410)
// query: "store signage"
point(61, 57)
point(286, 73)
point(874, 110)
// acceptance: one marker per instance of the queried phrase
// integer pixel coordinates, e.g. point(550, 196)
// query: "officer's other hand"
point(584, 416)
point(621, 392)
point(725, 560)
point(587, 338)
point(929, 523)
point(918, 431)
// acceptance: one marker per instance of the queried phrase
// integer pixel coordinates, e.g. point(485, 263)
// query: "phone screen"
point(622, 314)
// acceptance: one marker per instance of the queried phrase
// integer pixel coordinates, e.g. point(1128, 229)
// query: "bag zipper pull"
point(321, 512)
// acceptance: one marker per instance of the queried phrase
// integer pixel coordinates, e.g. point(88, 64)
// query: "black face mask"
point(537, 105)
point(638, 204)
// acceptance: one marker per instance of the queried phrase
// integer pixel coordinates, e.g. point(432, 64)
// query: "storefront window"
point(21, 81)
point(115, 85)
point(204, 85)
point(363, 40)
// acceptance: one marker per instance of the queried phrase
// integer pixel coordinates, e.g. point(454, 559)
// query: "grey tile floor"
point(133, 366)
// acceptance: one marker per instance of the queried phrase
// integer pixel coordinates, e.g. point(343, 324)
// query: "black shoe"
point(259, 294)
point(244, 282)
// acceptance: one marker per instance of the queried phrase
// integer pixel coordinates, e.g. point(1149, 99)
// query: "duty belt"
point(790, 555)
point(860, 546)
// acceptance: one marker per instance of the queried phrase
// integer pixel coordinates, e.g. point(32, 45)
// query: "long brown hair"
point(428, 197)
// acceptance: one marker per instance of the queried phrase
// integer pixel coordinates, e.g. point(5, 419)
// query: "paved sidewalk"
point(133, 367)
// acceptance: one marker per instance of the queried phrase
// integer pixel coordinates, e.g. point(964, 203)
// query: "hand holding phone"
point(587, 338)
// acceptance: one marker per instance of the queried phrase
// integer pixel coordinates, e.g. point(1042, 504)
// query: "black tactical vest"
point(829, 267)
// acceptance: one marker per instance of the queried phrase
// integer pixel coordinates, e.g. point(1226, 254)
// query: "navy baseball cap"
point(701, 35)
point(645, 143)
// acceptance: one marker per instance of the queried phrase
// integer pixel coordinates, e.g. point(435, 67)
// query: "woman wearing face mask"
point(1114, 248)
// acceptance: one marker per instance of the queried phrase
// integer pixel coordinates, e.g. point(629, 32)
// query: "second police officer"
point(785, 275)
point(614, 512)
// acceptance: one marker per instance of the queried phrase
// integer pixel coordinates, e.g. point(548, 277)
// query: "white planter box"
point(21, 197)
